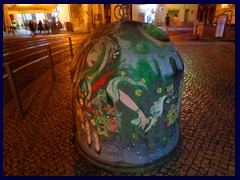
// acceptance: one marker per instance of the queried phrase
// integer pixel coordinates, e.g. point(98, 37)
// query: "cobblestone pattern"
point(43, 144)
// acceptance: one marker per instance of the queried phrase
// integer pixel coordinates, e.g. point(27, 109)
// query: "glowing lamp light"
point(225, 5)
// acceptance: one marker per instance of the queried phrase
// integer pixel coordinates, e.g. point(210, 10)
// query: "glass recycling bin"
point(127, 82)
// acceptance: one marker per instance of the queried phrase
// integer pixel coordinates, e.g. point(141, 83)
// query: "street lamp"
point(225, 6)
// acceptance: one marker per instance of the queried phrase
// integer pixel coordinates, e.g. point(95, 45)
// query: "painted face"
point(93, 54)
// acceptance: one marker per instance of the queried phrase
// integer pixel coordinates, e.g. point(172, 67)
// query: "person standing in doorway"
point(175, 21)
point(167, 21)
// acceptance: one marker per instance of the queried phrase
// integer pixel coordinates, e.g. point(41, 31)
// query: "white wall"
point(136, 9)
point(63, 13)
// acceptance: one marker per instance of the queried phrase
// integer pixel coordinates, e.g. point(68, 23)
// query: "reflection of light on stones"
point(138, 152)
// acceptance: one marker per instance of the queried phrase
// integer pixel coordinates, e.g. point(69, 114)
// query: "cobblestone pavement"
point(43, 144)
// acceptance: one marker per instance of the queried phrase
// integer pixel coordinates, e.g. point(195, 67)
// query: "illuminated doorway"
point(171, 13)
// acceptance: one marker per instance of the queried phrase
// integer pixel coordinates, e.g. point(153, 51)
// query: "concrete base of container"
point(129, 168)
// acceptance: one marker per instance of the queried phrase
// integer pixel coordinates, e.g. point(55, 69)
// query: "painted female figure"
point(97, 66)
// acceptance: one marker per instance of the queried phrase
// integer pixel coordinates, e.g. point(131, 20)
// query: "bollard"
point(127, 89)
point(200, 29)
point(70, 47)
point(51, 62)
point(194, 29)
point(16, 96)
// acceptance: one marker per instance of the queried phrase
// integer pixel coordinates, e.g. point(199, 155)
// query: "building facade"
point(84, 17)
point(87, 17)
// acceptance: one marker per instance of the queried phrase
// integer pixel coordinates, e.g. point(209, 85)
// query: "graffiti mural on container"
point(127, 88)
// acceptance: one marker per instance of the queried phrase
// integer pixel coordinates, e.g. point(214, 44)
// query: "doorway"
point(171, 13)
point(107, 13)
point(186, 16)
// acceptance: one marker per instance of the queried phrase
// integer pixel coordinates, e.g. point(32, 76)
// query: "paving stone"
point(192, 172)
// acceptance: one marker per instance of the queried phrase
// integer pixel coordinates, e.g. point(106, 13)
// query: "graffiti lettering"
point(121, 12)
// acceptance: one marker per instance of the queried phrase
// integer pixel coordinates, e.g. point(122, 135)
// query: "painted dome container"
point(127, 89)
